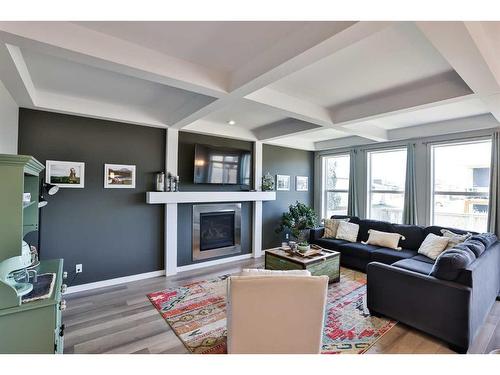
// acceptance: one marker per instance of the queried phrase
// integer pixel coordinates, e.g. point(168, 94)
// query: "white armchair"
point(272, 312)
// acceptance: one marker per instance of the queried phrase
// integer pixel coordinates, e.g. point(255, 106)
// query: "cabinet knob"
point(62, 305)
point(64, 288)
point(65, 275)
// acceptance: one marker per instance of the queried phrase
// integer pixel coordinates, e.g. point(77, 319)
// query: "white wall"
point(9, 112)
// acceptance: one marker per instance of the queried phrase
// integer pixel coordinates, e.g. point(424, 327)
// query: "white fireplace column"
point(171, 165)
point(257, 205)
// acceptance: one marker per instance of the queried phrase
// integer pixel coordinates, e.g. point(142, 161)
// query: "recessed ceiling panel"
point(393, 57)
point(56, 75)
point(221, 45)
point(246, 114)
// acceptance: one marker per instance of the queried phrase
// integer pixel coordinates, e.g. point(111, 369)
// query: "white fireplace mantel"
point(155, 197)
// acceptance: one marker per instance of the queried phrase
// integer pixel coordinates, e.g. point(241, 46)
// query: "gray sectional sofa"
point(448, 298)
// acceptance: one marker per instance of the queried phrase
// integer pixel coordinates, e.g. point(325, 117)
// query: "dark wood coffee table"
point(325, 263)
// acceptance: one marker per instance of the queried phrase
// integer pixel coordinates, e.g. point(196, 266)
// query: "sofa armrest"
point(316, 234)
point(440, 308)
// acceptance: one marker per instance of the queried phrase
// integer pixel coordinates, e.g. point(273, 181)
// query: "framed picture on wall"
point(65, 174)
point(119, 176)
point(302, 183)
point(282, 182)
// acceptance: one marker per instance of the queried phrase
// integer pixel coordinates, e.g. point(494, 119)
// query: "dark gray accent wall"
point(112, 232)
point(187, 143)
point(285, 161)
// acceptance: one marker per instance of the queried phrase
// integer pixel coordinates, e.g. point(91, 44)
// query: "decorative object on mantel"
point(298, 220)
point(302, 183)
point(65, 174)
point(160, 181)
point(282, 182)
point(349, 328)
point(172, 183)
point(119, 176)
point(267, 182)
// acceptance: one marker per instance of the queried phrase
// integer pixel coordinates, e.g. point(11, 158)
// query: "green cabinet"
point(35, 327)
point(32, 327)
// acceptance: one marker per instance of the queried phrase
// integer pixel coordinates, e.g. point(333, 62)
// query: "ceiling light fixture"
point(231, 122)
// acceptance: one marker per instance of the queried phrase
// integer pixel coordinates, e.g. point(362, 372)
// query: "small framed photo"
point(65, 174)
point(282, 182)
point(119, 176)
point(302, 183)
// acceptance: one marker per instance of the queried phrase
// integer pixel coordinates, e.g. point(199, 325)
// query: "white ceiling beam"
point(223, 130)
point(343, 142)
point(432, 129)
point(284, 128)
point(80, 44)
point(456, 44)
point(15, 76)
point(296, 52)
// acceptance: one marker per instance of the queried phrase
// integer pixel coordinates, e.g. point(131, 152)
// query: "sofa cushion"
point(365, 225)
point(435, 229)
point(451, 262)
point(423, 258)
point(356, 249)
point(331, 227)
point(476, 246)
point(433, 245)
point(347, 231)
point(389, 256)
point(414, 235)
point(384, 239)
point(329, 243)
point(455, 238)
point(414, 265)
point(487, 239)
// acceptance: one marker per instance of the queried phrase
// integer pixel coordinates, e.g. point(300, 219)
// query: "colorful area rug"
point(196, 312)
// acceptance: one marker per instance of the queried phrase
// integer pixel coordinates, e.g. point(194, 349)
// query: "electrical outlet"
point(79, 268)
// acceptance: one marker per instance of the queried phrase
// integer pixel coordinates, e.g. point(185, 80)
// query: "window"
point(335, 184)
point(386, 184)
point(460, 185)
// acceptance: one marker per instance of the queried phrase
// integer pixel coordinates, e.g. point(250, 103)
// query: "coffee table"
point(325, 263)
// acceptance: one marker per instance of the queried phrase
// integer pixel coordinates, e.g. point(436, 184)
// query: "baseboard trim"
point(116, 281)
point(213, 262)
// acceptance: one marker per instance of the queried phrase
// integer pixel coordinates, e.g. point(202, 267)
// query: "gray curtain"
point(352, 197)
point(410, 202)
point(494, 205)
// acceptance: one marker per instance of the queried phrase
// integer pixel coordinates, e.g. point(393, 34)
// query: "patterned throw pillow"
point(331, 226)
point(433, 246)
point(455, 238)
point(384, 239)
point(347, 231)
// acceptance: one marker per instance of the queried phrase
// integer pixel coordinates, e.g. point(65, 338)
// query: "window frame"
point(369, 190)
point(432, 175)
point(325, 191)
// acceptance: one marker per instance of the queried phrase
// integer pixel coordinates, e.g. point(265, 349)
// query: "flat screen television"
point(217, 165)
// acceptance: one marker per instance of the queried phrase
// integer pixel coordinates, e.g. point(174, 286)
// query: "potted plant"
point(303, 247)
point(299, 218)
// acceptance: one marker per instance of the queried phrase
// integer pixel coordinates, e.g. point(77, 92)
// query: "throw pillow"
point(455, 238)
point(347, 231)
point(451, 262)
point(433, 246)
point(331, 227)
point(384, 239)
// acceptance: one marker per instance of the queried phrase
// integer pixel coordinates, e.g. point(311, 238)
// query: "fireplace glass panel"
point(216, 230)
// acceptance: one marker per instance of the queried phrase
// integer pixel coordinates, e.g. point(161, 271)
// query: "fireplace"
point(216, 230)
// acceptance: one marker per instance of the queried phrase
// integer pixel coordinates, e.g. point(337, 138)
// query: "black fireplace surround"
point(216, 230)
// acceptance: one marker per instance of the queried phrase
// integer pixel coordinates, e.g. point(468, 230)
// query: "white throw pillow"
point(454, 238)
point(384, 239)
point(331, 227)
point(347, 231)
point(433, 246)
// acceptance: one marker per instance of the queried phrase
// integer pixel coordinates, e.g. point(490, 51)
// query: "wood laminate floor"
point(120, 319)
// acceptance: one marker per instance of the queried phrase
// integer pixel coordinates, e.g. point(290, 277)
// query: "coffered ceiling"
point(310, 85)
